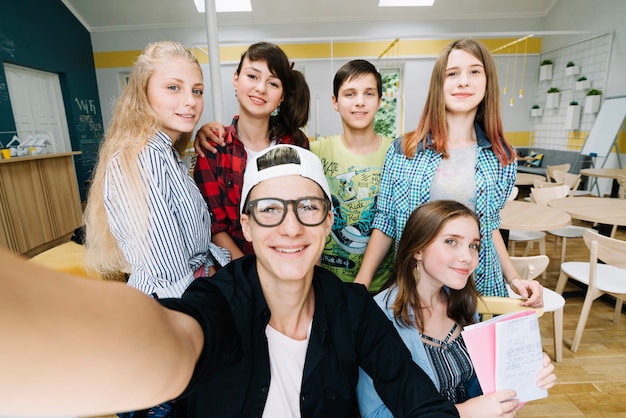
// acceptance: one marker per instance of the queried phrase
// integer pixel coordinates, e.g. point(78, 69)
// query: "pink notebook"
point(507, 354)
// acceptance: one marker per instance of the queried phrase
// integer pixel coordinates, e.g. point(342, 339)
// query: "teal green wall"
point(45, 35)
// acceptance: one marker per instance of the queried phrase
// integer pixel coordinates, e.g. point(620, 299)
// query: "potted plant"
point(536, 111)
point(592, 101)
point(572, 117)
point(571, 68)
point(582, 83)
point(553, 97)
point(545, 70)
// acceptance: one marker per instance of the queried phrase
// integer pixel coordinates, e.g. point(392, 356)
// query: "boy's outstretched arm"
point(71, 346)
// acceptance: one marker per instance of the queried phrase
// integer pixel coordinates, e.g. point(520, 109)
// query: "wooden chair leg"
point(558, 334)
point(512, 248)
point(618, 309)
point(542, 251)
point(529, 246)
point(556, 241)
point(582, 320)
point(560, 285)
point(563, 249)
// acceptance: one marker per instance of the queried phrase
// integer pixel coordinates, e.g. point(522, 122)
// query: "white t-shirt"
point(253, 153)
point(455, 178)
point(286, 367)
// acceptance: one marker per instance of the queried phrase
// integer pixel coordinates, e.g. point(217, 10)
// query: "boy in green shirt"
point(352, 164)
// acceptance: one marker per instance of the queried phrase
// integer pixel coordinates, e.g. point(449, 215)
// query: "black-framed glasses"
point(271, 211)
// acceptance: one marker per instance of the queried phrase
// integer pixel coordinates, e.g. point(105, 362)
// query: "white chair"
point(529, 268)
point(551, 168)
point(608, 278)
point(543, 196)
point(530, 237)
point(572, 180)
point(514, 193)
point(538, 184)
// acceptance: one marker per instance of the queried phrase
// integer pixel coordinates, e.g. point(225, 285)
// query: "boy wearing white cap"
point(272, 334)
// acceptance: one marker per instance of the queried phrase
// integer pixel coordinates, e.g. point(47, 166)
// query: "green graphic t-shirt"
point(353, 181)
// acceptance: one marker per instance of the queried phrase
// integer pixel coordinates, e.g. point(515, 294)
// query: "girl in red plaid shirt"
point(273, 105)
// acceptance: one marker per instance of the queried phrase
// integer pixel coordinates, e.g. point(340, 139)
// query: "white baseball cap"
point(301, 162)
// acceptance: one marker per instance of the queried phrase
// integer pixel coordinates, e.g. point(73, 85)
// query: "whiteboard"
point(605, 128)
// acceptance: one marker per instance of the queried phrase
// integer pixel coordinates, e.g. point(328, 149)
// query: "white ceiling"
point(112, 15)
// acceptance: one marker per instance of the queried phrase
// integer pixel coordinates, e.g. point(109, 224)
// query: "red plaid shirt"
point(220, 179)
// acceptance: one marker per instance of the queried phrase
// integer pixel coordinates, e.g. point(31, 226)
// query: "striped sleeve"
point(158, 255)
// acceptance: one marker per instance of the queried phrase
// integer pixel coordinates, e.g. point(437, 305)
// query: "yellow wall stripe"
point(115, 59)
point(326, 50)
point(518, 139)
point(576, 141)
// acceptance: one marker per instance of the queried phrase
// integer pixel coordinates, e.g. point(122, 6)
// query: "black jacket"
point(349, 331)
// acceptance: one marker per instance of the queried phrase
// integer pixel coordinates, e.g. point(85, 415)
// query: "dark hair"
point(422, 227)
point(294, 109)
point(277, 156)
point(355, 69)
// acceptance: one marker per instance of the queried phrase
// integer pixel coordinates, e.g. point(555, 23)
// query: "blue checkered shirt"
point(405, 184)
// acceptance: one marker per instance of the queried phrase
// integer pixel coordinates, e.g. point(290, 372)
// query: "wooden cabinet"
point(39, 201)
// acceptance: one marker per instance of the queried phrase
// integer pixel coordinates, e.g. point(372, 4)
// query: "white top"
point(178, 240)
point(286, 367)
point(451, 180)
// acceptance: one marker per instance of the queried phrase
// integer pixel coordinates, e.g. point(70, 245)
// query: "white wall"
point(600, 16)
point(566, 16)
point(319, 73)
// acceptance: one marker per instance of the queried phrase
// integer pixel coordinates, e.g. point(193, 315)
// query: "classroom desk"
point(529, 216)
point(593, 209)
point(527, 179)
point(605, 173)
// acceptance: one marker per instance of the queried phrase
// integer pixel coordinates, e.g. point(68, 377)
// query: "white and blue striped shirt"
point(178, 237)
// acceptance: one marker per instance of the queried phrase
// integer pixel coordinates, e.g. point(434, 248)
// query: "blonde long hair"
point(433, 119)
point(132, 125)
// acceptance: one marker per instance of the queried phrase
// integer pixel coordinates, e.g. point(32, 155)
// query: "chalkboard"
point(606, 127)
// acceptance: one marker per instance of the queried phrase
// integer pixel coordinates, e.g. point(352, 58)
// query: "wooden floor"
point(592, 381)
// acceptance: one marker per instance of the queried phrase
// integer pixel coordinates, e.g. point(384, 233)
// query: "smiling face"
point(452, 256)
point(175, 94)
point(290, 250)
point(259, 91)
point(465, 82)
point(357, 102)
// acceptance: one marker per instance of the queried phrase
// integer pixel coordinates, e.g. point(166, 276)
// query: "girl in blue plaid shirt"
point(457, 152)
